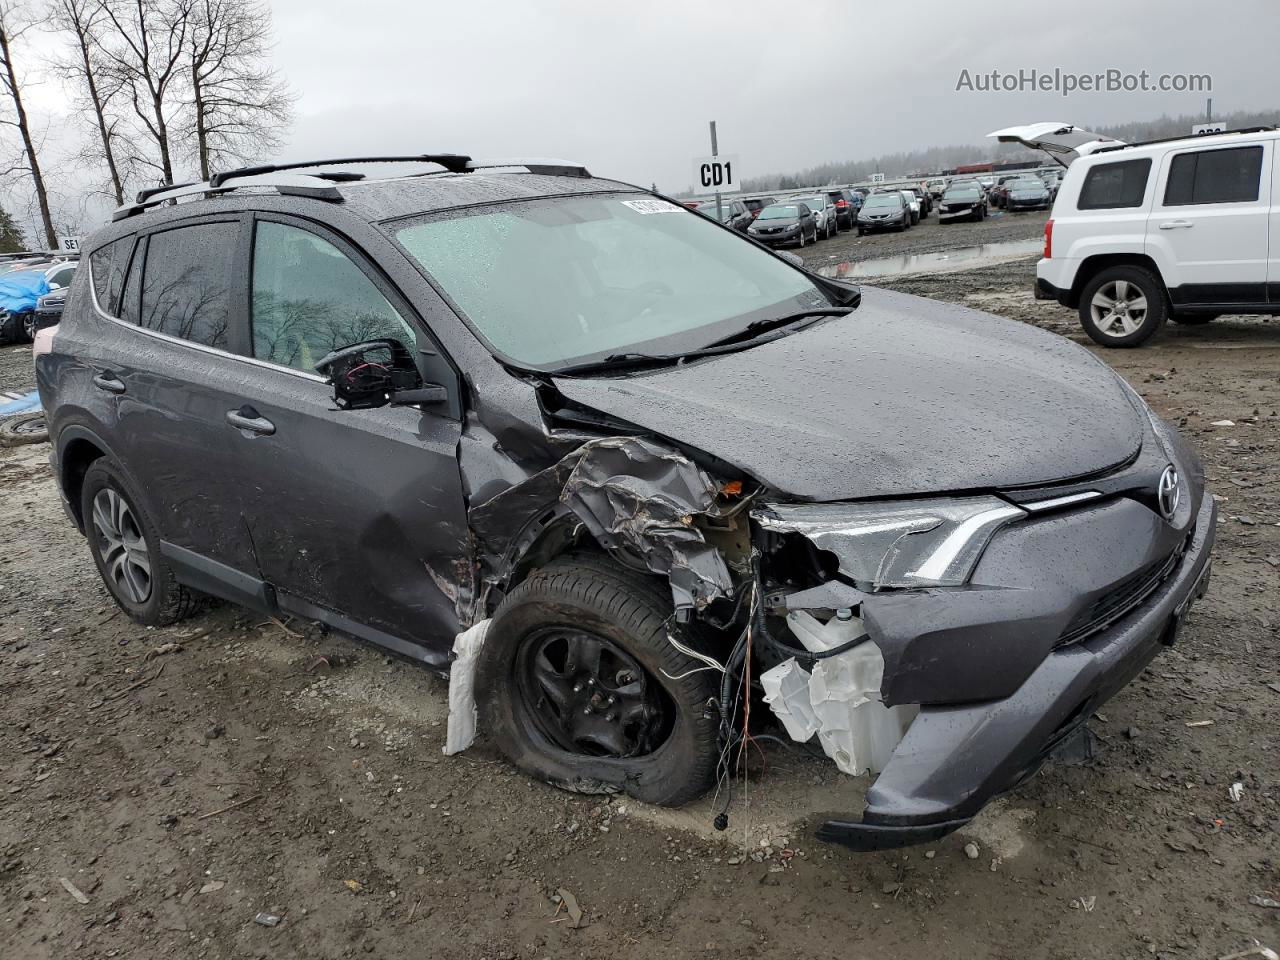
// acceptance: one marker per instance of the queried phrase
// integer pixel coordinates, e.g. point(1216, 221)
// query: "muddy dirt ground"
point(257, 767)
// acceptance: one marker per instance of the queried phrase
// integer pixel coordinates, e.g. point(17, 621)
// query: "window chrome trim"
point(203, 348)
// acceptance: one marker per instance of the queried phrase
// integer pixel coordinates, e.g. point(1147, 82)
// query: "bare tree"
point(13, 24)
point(240, 105)
point(82, 20)
point(144, 46)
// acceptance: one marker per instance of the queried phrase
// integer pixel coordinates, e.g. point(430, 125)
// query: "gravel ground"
point(259, 767)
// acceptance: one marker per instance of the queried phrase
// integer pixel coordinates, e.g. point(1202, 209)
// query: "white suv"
point(1186, 229)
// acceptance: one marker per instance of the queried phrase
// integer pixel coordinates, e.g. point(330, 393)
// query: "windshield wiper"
point(746, 337)
point(755, 327)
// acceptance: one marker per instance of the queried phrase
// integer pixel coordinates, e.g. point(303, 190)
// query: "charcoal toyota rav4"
point(659, 469)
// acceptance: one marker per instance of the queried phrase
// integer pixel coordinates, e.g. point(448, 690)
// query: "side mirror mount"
point(792, 258)
point(375, 373)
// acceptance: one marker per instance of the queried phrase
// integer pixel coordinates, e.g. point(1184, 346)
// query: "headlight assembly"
point(918, 543)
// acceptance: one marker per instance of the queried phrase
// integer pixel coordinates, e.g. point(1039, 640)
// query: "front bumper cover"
point(955, 758)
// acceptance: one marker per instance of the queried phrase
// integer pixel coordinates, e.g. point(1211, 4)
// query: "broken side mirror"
point(375, 373)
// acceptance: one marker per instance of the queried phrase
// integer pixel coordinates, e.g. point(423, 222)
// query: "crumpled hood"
point(903, 396)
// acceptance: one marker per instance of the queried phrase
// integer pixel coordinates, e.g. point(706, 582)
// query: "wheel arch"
point(1091, 266)
point(78, 449)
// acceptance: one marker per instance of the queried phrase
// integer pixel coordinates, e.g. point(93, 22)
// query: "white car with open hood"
point(1184, 229)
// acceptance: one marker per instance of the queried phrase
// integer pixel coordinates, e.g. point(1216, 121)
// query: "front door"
point(357, 516)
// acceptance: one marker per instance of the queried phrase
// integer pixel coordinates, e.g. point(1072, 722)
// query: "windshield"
point(1026, 185)
point(552, 282)
point(961, 193)
point(779, 212)
point(884, 200)
point(709, 210)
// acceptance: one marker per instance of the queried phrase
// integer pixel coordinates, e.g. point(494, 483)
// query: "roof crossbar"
point(453, 162)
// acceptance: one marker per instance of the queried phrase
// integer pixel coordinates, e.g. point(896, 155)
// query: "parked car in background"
point(925, 199)
point(733, 213)
point(1000, 190)
point(1141, 233)
point(824, 211)
point(937, 187)
point(913, 205)
point(884, 211)
point(756, 204)
point(847, 203)
point(781, 224)
point(1026, 193)
point(47, 313)
point(30, 280)
point(964, 201)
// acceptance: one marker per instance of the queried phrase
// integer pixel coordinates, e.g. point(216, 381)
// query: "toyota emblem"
point(1168, 492)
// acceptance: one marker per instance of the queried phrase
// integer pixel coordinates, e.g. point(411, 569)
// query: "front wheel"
point(575, 682)
point(1122, 307)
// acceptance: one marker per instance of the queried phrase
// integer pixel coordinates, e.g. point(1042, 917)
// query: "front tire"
point(1122, 307)
point(126, 550)
point(575, 686)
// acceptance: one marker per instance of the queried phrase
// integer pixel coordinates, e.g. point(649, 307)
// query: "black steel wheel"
point(579, 686)
point(588, 695)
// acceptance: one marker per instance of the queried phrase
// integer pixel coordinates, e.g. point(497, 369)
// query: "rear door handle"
point(108, 381)
point(1176, 224)
point(247, 418)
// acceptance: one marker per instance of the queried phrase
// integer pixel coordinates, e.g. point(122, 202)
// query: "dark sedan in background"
point(884, 211)
point(783, 223)
point(1028, 193)
point(847, 205)
point(965, 202)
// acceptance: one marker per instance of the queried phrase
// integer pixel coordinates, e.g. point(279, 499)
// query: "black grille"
point(1114, 604)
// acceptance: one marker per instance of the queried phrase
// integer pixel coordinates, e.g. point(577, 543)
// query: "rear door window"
point(107, 265)
point(1214, 176)
point(309, 298)
point(186, 283)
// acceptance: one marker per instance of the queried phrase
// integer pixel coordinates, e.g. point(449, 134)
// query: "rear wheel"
point(1122, 307)
point(575, 685)
point(29, 325)
point(126, 550)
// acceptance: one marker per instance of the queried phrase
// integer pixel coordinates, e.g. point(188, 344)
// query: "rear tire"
point(1122, 306)
point(610, 620)
point(125, 545)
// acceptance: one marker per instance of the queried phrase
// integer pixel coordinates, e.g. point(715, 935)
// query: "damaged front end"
point(947, 645)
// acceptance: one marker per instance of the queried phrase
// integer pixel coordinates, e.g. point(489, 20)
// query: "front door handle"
point(108, 381)
point(247, 418)
point(1176, 224)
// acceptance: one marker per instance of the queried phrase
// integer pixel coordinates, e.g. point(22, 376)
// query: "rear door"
point(358, 516)
point(172, 373)
point(1210, 223)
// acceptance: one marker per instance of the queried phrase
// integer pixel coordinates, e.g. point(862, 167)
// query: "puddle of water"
point(961, 258)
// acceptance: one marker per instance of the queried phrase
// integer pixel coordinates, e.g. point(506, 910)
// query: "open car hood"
point(904, 396)
point(1062, 141)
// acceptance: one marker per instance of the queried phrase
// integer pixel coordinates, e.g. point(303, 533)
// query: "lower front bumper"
point(954, 759)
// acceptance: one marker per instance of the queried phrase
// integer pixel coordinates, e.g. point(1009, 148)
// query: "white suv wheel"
point(1118, 308)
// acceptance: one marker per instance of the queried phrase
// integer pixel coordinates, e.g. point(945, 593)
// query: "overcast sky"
point(628, 88)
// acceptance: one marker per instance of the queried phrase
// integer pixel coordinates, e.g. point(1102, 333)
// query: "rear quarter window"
point(107, 265)
point(1214, 176)
point(1110, 186)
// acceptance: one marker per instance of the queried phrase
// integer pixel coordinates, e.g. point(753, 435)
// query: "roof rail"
point(319, 184)
point(1185, 136)
point(319, 187)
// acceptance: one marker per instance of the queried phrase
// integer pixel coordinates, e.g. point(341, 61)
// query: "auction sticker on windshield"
point(651, 206)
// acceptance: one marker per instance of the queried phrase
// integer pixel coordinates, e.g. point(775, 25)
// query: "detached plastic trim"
point(867, 837)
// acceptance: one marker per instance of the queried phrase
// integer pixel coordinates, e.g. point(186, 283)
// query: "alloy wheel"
point(29, 325)
point(1118, 308)
point(120, 544)
point(589, 696)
